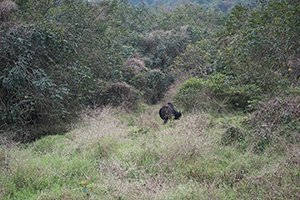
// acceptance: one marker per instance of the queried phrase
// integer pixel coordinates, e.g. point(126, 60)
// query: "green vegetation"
point(223, 5)
point(81, 83)
point(216, 92)
point(113, 154)
point(59, 56)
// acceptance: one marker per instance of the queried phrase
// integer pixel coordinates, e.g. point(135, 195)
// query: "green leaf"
point(84, 190)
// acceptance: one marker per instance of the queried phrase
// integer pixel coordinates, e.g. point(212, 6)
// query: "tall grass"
point(125, 155)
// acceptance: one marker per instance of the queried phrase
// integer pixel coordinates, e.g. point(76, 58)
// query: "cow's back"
point(166, 113)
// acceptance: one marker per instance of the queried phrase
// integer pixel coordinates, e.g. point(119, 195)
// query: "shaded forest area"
point(57, 57)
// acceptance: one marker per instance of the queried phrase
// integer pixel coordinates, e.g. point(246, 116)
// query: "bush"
point(213, 92)
point(49, 60)
point(118, 94)
point(160, 47)
point(278, 117)
point(197, 60)
point(259, 44)
point(191, 94)
point(153, 84)
point(7, 9)
point(133, 67)
point(30, 73)
point(238, 94)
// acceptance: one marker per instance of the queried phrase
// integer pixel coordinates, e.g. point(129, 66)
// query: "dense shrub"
point(216, 90)
point(259, 44)
point(153, 84)
point(31, 70)
point(165, 35)
point(53, 54)
point(7, 9)
point(197, 60)
point(278, 117)
point(191, 94)
point(117, 94)
point(223, 5)
point(43, 76)
point(161, 47)
point(133, 67)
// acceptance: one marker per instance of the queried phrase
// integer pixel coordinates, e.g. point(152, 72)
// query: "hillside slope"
point(111, 154)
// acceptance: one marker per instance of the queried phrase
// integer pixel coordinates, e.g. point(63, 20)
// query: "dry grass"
point(134, 156)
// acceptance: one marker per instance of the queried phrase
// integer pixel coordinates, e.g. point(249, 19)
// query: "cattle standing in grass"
point(168, 112)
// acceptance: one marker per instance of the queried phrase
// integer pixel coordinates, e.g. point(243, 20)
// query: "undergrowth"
point(113, 154)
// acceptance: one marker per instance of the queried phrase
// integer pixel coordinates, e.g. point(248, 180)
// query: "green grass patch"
point(111, 155)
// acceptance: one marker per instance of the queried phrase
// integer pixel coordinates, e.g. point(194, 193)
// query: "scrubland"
point(236, 75)
point(113, 154)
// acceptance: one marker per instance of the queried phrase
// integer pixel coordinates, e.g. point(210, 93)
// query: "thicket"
point(222, 5)
point(256, 52)
point(252, 65)
point(59, 56)
point(47, 69)
point(276, 121)
point(260, 45)
point(216, 92)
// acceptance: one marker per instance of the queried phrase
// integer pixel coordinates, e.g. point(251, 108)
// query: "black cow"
point(168, 112)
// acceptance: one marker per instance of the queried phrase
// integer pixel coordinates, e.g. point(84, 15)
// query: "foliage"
point(278, 117)
point(7, 10)
point(162, 35)
point(84, 185)
point(159, 36)
point(252, 51)
point(197, 60)
point(31, 57)
point(259, 45)
point(198, 93)
point(223, 5)
point(59, 56)
point(118, 94)
point(161, 47)
point(153, 84)
point(46, 70)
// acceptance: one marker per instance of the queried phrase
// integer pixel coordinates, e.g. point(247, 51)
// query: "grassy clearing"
point(134, 156)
